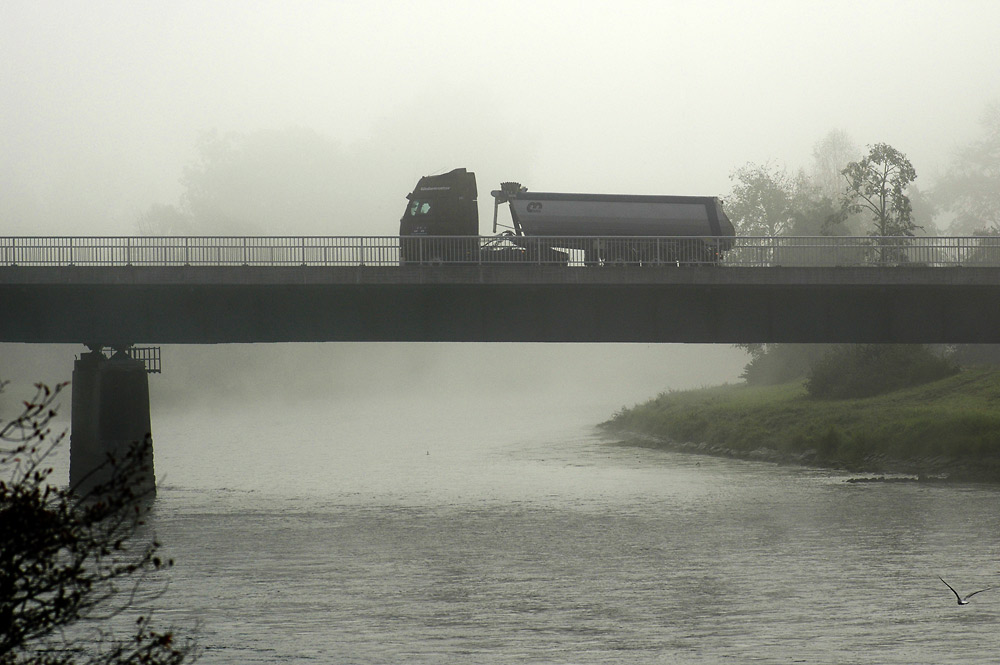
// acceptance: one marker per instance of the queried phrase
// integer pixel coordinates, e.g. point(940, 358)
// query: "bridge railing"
point(850, 251)
point(846, 251)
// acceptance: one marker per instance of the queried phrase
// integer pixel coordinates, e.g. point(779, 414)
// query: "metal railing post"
point(758, 251)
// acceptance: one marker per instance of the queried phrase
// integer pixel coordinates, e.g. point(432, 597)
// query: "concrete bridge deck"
point(178, 304)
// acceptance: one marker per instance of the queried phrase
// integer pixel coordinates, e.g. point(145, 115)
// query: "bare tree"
point(69, 563)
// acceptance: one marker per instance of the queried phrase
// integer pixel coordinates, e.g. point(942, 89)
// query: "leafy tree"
point(831, 155)
point(865, 370)
point(766, 201)
point(760, 203)
point(165, 220)
point(806, 205)
point(971, 187)
point(976, 354)
point(819, 194)
point(69, 561)
point(813, 212)
point(876, 184)
point(924, 211)
point(772, 364)
point(286, 181)
point(259, 182)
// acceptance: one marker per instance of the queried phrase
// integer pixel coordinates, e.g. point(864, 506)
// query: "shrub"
point(772, 364)
point(68, 560)
point(866, 370)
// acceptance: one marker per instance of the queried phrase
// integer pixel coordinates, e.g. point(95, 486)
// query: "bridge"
point(121, 291)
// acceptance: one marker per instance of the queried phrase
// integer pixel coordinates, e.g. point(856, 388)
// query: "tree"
point(813, 213)
point(831, 155)
point(760, 203)
point(877, 184)
point(254, 183)
point(766, 201)
point(924, 211)
point(164, 220)
point(67, 561)
point(771, 364)
point(865, 370)
point(971, 187)
point(819, 193)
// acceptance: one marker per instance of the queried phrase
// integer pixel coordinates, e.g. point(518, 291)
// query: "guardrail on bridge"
point(422, 250)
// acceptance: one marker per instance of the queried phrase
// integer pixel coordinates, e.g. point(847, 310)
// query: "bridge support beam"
point(110, 415)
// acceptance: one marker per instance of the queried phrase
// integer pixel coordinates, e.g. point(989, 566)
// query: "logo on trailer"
point(534, 206)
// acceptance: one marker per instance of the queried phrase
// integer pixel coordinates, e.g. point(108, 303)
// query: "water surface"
point(365, 532)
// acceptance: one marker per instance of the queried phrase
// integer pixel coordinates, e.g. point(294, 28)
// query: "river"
point(440, 529)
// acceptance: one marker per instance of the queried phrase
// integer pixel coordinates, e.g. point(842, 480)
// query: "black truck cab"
point(442, 205)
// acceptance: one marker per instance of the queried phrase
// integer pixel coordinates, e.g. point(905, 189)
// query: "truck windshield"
point(419, 208)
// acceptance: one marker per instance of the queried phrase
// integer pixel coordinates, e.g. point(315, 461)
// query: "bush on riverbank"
point(771, 364)
point(946, 427)
point(865, 370)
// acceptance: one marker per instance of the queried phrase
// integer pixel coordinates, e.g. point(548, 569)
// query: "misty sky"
point(101, 103)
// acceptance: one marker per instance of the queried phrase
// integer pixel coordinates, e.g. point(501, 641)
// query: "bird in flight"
point(963, 600)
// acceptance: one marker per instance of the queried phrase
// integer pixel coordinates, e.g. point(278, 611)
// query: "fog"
point(590, 379)
point(106, 108)
point(103, 103)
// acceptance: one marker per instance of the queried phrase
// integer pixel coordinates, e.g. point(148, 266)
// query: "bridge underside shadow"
point(231, 305)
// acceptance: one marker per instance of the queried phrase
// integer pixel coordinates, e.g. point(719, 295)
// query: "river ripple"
point(336, 537)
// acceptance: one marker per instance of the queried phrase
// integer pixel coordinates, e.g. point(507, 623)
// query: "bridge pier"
point(110, 414)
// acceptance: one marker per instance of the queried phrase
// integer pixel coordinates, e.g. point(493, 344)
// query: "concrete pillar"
point(110, 415)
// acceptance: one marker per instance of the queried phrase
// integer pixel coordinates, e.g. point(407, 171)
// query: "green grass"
point(950, 427)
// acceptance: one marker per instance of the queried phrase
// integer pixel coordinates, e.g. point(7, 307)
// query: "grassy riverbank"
point(948, 428)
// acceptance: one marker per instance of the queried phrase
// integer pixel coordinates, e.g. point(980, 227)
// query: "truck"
point(441, 225)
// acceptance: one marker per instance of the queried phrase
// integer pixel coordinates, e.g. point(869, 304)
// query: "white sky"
point(101, 102)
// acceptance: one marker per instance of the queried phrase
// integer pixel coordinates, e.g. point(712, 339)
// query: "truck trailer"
point(550, 227)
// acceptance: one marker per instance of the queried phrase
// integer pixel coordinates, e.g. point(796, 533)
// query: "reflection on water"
point(335, 534)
